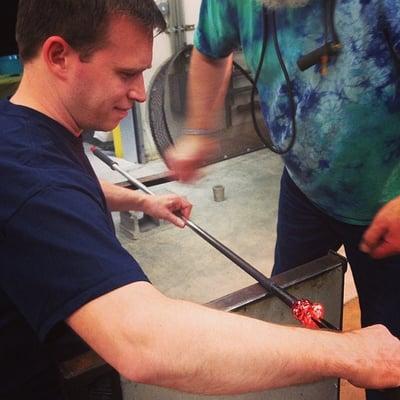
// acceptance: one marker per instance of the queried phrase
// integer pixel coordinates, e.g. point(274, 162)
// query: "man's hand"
point(376, 361)
point(382, 238)
point(188, 156)
point(164, 207)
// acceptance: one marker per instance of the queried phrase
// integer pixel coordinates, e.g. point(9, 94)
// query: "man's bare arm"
point(153, 339)
point(208, 80)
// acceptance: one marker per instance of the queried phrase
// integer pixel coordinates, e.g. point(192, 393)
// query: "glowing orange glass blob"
point(307, 312)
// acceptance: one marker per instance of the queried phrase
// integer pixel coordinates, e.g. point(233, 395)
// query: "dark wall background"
point(8, 14)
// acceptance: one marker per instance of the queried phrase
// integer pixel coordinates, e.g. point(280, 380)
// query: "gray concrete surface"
point(183, 265)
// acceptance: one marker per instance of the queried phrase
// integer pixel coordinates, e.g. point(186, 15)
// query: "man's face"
point(276, 4)
point(103, 88)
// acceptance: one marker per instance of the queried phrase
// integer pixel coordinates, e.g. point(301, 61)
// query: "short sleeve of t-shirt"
point(216, 35)
point(64, 253)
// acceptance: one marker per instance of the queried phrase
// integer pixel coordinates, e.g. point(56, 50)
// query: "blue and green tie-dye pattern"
point(346, 156)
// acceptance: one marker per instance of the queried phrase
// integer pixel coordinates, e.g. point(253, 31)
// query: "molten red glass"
point(307, 312)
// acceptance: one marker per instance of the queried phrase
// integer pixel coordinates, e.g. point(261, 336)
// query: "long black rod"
point(265, 282)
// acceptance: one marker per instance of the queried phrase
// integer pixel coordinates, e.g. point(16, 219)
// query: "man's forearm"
point(122, 199)
point(207, 85)
point(208, 81)
point(153, 339)
point(210, 352)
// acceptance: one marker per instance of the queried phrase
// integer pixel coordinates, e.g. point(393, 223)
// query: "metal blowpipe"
point(308, 313)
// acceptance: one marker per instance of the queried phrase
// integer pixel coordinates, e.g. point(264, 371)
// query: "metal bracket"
point(132, 223)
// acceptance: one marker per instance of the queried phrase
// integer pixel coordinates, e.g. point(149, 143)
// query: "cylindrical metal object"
point(219, 193)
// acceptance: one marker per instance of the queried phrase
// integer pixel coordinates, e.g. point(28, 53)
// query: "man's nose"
point(137, 91)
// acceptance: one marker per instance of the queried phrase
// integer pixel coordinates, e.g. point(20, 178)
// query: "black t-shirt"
point(58, 248)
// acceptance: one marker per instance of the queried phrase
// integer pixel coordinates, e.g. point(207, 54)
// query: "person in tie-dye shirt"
point(344, 165)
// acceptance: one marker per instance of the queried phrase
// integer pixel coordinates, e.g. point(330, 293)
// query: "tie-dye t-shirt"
point(347, 151)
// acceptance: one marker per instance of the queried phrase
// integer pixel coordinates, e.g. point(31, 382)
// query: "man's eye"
point(127, 75)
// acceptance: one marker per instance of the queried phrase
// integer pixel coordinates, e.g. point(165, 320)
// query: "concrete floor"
point(183, 265)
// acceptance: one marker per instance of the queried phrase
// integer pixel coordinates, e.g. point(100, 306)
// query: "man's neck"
point(41, 96)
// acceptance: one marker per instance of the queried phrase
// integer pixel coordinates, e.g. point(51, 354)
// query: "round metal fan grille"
point(158, 125)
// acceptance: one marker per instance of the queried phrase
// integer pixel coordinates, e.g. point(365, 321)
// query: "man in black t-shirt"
point(62, 267)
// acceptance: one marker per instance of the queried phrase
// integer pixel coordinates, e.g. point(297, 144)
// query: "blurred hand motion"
point(382, 238)
point(188, 155)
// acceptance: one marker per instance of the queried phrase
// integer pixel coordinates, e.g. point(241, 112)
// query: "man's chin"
point(107, 126)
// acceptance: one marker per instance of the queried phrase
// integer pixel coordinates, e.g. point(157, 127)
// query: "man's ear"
point(58, 54)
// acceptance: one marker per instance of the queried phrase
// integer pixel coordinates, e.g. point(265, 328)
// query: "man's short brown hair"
point(81, 23)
